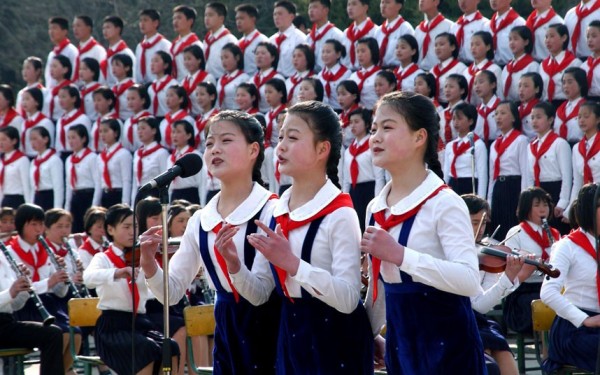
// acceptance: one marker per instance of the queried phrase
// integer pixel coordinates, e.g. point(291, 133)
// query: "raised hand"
point(275, 247)
point(382, 245)
point(226, 247)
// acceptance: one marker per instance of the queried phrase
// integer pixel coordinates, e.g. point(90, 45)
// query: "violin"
point(135, 253)
point(492, 259)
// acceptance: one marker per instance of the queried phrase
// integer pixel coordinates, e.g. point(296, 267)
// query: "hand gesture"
point(527, 269)
point(20, 285)
point(125, 273)
point(275, 247)
point(226, 247)
point(382, 245)
point(514, 263)
point(61, 262)
point(58, 277)
point(149, 242)
point(379, 352)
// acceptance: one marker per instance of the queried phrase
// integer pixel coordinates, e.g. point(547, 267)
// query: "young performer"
point(89, 74)
point(8, 114)
point(333, 72)
point(88, 46)
point(246, 16)
point(138, 102)
point(322, 30)
point(426, 33)
point(361, 27)
point(311, 89)
point(573, 337)
point(114, 165)
point(504, 19)
point(367, 55)
point(590, 66)
point(577, 21)
point(70, 103)
point(530, 92)
point(32, 75)
point(455, 91)
point(407, 52)
point(348, 99)
point(111, 277)
point(485, 87)
point(246, 98)
point(184, 18)
point(234, 153)
point(122, 68)
point(161, 65)
point(15, 188)
point(46, 175)
point(508, 168)
point(104, 105)
point(482, 51)
point(287, 36)
point(574, 85)
point(303, 60)
point(446, 51)
point(93, 225)
point(32, 104)
point(520, 44)
point(385, 83)
point(216, 37)
point(82, 177)
point(538, 22)
point(193, 59)
point(184, 143)
point(60, 70)
point(467, 25)
point(232, 59)
point(149, 22)
point(206, 98)
point(425, 84)
point(404, 139)
point(460, 152)
point(150, 159)
point(112, 31)
point(557, 41)
point(178, 103)
point(266, 55)
point(58, 31)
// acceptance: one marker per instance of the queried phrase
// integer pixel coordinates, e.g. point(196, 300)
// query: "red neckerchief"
point(458, 150)
point(87, 246)
point(175, 155)
point(580, 239)
point(110, 52)
point(462, 22)
point(353, 34)
point(279, 40)
point(252, 111)
point(287, 225)
point(426, 27)
point(511, 16)
point(64, 121)
point(60, 251)
point(448, 125)
point(588, 177)
point(10, 115)
point(88, 90)
point(57, 49)
point(191, 38)
point(210, 39)
point(5, 163)
point(401, 74)
point(534, 23)
point(356, 150)
point(259, 80)
point(551, 68)
point(37, 162)
point(190, 84)
point(484, 111)
point(295, 80)
point(581, 14)
point(501, 146)
point(561, 114)
point(91, 43)
point(387, 31)
point(389, 223)
point(224, 81)
point(27, 257)
point(314, 37)
point(329, 77)
point(223, 265)
point(514, 66)
point(142, 153)
point(120, 263)
point(171, 118)
point(133, 121)
point(201, 121)
point(158, 87)
point(438, 72)
point(74, 161)
point(473, 69)
point(364, 74)
point(111, 115)
point(345, 115)
point(119, 89)
point(54, 93)
point(246, 41)
point(145, 45)
point(539, 151)
point(105, 156)
point(541, 240)
point(277, 173)
point(526, 108)
point(271, 118)
point(592, 64)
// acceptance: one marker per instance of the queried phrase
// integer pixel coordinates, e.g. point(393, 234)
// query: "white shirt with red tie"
point(291, 38)
point(213, 61)
point(155, 43)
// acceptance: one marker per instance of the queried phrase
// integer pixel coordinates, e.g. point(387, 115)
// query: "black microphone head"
point(190, 164)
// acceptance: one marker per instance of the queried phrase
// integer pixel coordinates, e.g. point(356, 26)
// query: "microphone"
point(471, 138)
point(188, 165)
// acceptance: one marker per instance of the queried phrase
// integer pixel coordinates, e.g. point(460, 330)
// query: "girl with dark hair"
point(32, 75)
point(114, 165)
point(455, 92)
point(486, 87)
point(333, 71)
point(574, 295)
point(111, 277)
point(194, 62)
point(310, 88)
point(8, 114)
point(70, 102)
point(590, 65)
point(138, 103)
point(184, 143)
point(535, 205)
point(407, 52)
point(404, 142)
point(89, 74)
point(82, 178)
point(508, 168)
point(276, 98)
point(122, 69)
point(206, 98)
point(425, 85)
point(549, 163)
point(32, 103)
point(367, 55)
point(15, 188)
point(521, 44)
point(559, 59)
point(266, 57)
point(150, 159)
point(530, 92)
point(234, 154)
point(482, 49)
point(60, 71)
point(446, 50)
point(538, 21)
point(232, 60)
point(161, 66)
point(460, 152)
point(178, 103)
point(104, 106)
point(385, 83)
point(246, 98)
point(46, 175)
point(574, 85)
point(349, 99)
point(93, 226)
point(303, 59)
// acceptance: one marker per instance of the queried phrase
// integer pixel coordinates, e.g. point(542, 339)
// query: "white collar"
point(27, 247)
point(324, 196)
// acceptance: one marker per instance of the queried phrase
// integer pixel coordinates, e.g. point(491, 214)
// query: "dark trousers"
point(81, 200)
point(189, 194)
point(14, 334)
point(44, 199)
point(110, 197)
point(13, 200)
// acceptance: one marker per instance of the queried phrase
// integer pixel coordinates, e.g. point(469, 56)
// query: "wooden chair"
point(543, 316)
point(14, 360)
point(199, 321)
point(83, 312)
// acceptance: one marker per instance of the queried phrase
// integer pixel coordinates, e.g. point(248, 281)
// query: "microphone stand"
point(166, 348)
point(597, 245)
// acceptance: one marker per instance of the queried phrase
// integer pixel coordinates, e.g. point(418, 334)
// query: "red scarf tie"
point(588, 177)
point(513, 67)
point(10, 115)
point(539, 151)
point(448, 125)
point(120, 263)
point(552, 68)
point(272, 117)
point(526, 108)
point(295, 80)
point(581, 14)
point(58, 49)
point(314, 37)
point(387, 31)
point(142, 153)
point(462, 22)
point(579, 238)
point(82, 50)
point(210, 39)
point(158, 87)
point(37, 162)
point(119, 89)
point(74, 161)
point(539, 238)
point(534, 22)
point(106, 157)
point(401, 74)
point(87, 90)
point(110, 52)
point(202, 121)
point(390, 222)
point(145, 45)
point(501, 145)
point(427, 28)
point(485, 111)
point(177, 155)
point(5, 163)
point(224, 81)
point(175, 51)
point(353, 35)
point(506, 22)
point(54, 94)
point(345, 115)
point(259, 80)
point(438, 72)
point(287, 225)
point(64, 121)
point(87, 246)
point(592, 64)
point(190, 84)
point(329, 77)
point(561, 114)
point(246, 41)
point(356, 150)
point(277, 173)
point(133, 121)
point(279, 40)
point(171, 118)
point(27, 256)
point(364, 74)
point(60, 250)
point(458, 150)
point(223, 265)
point(473, 70)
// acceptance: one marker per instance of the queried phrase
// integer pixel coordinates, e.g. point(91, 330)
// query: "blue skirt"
point(56, 306)
point(490, 333)
point(154, 313)
point(314, 338)
point(245, 335)
point(430, 332)
point(517, 307)
point(573, 346)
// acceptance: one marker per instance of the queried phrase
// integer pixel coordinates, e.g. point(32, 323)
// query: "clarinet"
point(548, 231)
point(207, 294)
point(46, 317)
point(52, 256)
point(83, 290)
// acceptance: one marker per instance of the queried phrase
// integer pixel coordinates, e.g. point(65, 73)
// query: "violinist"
point(535, 204)
point(574, 333)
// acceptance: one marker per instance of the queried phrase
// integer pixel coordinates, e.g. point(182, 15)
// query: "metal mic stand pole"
point(166, 359)
point(473, 168)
